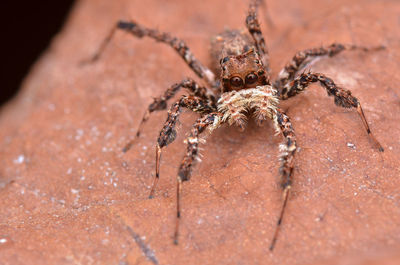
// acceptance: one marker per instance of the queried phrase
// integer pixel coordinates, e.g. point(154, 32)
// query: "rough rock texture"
point(69, 195)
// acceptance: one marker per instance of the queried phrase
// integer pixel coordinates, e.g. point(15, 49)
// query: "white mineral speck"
point(79, 134)
point(3, 240)
point(74, 191)
point(108, 135)
point(351, 145)
point(20, 159)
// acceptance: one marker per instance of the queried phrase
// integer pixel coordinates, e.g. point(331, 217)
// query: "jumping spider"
point(244, 87)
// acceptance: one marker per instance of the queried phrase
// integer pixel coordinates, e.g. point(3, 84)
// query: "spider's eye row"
point(251, 78)
point(236, 81)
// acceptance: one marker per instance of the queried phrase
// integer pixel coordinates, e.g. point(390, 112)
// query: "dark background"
point(27, 29)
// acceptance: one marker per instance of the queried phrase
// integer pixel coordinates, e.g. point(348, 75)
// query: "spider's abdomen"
point(229, 43)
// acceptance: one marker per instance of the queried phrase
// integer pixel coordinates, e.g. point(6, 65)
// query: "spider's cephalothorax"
point(244, 88)
point(240, 65)
point(242, 71)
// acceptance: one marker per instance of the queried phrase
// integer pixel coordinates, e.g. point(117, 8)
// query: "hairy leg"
point(343, 97)
point(160, 103)
point(288, 150)
point(168, 132)
point(253, 25)
point(178, 45)
point(213, 120)
point(300, 60)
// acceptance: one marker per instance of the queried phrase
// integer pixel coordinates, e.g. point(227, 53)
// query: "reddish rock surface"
point(70, 196)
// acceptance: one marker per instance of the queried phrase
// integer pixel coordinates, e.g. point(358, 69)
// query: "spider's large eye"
point(251, 78)
point(236, 81)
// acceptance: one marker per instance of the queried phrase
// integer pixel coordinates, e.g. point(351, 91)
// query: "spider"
point(243, 89)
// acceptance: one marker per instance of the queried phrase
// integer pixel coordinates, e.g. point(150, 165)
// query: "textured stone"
point(70, 196)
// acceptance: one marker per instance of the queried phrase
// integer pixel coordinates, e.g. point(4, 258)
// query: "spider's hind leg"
point(168, 132)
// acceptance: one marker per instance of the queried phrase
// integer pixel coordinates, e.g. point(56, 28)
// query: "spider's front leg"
point(288, 149)
point(253, 25)
point(178, 45)
point(343, 97)
point(160, 103)
point(168, 132)
point(302, 58)
point(212, 121)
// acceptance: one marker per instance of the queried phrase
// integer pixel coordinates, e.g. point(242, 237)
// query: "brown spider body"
point(243, 88)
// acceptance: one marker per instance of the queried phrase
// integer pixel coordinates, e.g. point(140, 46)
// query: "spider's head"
point(242, 71)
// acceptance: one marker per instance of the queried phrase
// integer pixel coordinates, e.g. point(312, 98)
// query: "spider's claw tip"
point(271, 247)
point(175, 241)
point(126, 148)
point(381, 149)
